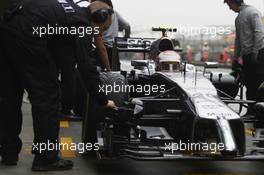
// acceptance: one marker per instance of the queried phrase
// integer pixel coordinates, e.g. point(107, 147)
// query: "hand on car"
point(236, 66)
point(110, 104)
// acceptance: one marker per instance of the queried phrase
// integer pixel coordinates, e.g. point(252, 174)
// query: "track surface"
point(85, 165)
point(71, 132)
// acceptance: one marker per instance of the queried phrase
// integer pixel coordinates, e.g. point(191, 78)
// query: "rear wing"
point(133, 44)
point(163, 29)
point(130, 45)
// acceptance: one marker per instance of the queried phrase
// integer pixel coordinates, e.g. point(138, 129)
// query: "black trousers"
point(68, 83)
point(253, 76)
point(25, 65)
point(80, 100)
point(11, 93)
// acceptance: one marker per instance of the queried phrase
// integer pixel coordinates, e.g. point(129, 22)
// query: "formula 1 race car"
point(168, 109)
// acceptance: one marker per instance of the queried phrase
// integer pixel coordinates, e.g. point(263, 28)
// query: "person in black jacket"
point(72, 102)
point(30, 36)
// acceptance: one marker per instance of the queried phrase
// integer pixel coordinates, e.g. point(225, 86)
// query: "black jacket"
point(58, 13)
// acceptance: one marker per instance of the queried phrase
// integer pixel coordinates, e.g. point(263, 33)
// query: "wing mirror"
point(210, 65)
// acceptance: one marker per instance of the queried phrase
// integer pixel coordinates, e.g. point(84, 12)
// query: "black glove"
point(236, 66)
point(236, 70)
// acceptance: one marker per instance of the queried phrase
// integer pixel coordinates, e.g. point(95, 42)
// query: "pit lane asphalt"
point(91, 166)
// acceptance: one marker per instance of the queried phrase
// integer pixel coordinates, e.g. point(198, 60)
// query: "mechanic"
point(28, 62)
point(71, 82)
point(118, 24)
point(249, 45)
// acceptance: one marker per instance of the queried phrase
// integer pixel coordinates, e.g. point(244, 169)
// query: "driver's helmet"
point(169, 61)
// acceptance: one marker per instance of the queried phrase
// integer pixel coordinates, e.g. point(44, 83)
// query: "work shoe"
point(10, 151)
point(56, 164)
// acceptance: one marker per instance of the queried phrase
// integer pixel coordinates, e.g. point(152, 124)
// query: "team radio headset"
point(236, 1)
point(101, 15)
